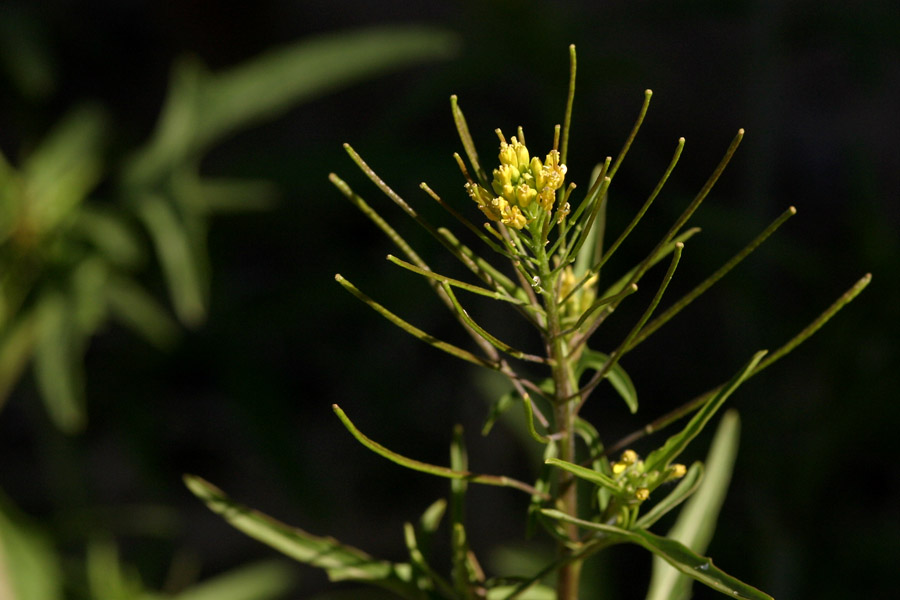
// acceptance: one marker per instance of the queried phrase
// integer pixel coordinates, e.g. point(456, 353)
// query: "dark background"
point(245, 400)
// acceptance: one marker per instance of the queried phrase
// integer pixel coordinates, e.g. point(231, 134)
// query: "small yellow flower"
point(642, 494)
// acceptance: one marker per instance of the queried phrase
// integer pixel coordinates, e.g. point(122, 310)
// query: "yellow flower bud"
point(524, 195)
point(513, 217)
point(629, 457)
point(485, 201)
point(642, 494)
point(547, 199)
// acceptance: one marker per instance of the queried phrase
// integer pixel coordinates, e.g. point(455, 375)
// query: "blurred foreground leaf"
point(28, 563)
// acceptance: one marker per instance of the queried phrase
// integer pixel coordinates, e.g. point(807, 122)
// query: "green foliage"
point(74, 225)
point(554, 253)
point(70, 260)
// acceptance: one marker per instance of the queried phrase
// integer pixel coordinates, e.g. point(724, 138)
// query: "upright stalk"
point(564, 427)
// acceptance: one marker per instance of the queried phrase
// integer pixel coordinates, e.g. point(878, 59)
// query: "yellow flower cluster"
point(522, 185)
point(630, 471)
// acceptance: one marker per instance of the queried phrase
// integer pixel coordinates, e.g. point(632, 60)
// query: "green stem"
point(565, 412)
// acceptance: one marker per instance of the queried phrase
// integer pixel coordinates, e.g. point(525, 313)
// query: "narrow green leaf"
point(675, 553)
point(663, 456)
point(416, 465)
point(698, 567)
point(415, 331)
point(58, 365)
point(697, 521)
point(340, 561)
point(179, 261)
point(617, 376)
point(594, 477)
point(687, 485)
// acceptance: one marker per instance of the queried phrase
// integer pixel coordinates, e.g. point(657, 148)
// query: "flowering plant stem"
point(553, 252)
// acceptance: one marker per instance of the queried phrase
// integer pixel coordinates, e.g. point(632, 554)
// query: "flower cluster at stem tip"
point(522, 185)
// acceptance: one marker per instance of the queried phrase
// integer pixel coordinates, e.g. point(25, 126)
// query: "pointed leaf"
point(338, 560)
